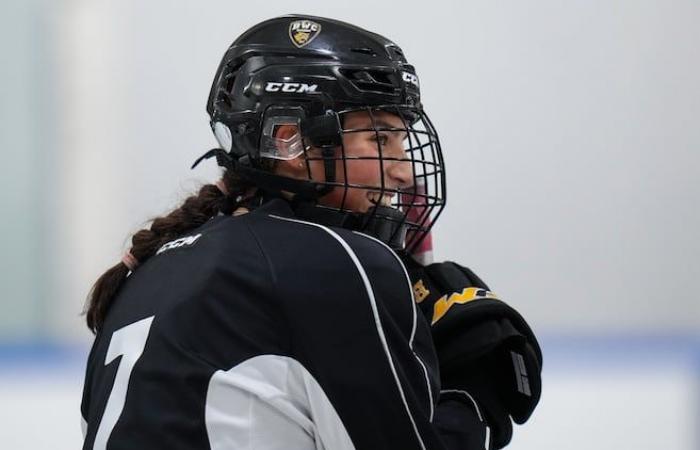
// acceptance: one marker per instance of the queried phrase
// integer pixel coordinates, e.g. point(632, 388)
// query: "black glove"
point(484, 346)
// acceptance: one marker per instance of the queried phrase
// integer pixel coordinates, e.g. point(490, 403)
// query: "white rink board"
point(40, 411)
point(641, 411)
point(623, 405)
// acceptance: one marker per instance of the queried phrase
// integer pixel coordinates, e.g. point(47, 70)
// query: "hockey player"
point(280, 308)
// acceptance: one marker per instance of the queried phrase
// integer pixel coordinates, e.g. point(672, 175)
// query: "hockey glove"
point(484, 346)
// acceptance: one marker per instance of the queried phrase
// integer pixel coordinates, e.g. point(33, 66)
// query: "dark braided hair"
point(193, 212)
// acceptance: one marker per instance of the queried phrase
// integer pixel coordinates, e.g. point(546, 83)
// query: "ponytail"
point(211, 200)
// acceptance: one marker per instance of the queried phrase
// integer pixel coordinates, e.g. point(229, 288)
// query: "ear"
point(294, 168)
point(285, 132)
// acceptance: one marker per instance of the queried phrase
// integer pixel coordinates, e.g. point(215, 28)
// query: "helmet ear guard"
point(274, 147)
point(324, 132)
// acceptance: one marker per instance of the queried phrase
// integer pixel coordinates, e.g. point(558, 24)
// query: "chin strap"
point(222, 158)
point(264, 180)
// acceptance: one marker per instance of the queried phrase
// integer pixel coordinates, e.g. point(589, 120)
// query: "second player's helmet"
point(311, 72)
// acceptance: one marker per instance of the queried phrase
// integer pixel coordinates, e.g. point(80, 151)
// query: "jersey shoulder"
point(303, 238)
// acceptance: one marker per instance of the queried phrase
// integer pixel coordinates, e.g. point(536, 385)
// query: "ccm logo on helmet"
point(298, 88)
point(408, 77)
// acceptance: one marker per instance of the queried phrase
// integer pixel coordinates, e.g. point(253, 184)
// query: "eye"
point(382, 138)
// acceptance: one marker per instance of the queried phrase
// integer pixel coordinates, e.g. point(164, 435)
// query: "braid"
point(193, 212)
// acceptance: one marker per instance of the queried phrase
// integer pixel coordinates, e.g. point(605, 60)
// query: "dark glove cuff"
point(488, 407)
point(498, 356)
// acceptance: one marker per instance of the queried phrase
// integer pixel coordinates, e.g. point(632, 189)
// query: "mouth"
point(377, 199)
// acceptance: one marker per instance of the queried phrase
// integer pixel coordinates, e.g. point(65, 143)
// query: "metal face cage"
point(390, 140)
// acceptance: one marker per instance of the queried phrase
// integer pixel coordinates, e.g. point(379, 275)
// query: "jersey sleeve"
point(271, 402)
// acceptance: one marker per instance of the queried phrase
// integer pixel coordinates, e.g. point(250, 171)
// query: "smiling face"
point(369, 168)
point(369, 157)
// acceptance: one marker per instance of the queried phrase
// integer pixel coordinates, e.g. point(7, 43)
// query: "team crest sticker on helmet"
point(301, 32)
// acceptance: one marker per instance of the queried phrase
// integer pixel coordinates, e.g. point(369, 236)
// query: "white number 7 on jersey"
point(128, 342)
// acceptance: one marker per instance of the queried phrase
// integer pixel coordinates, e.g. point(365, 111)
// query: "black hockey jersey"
point(265, 332)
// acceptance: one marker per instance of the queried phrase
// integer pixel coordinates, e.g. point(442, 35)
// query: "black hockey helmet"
point(310, 72)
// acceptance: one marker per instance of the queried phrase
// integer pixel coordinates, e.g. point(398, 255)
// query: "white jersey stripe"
point(375, 312)
point(415, 321)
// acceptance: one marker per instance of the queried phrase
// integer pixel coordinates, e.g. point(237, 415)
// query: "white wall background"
point(569, 130)
point(573, 150)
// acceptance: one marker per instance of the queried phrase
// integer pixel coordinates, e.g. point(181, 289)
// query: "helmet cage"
point(413, 208)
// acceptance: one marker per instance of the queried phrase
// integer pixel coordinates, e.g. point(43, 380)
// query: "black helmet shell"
point(316, 63)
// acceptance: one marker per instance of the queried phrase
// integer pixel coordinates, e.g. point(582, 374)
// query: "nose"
point(398, 168)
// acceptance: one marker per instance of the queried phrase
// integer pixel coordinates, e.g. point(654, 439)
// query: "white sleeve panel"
point(271, 402)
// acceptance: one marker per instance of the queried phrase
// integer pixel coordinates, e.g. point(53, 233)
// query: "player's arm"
point(485, 347)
